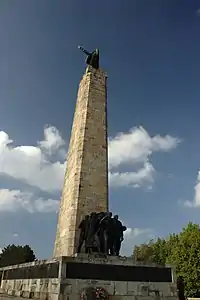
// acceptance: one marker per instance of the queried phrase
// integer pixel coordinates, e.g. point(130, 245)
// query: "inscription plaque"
point(117, 272)
point(32, 272)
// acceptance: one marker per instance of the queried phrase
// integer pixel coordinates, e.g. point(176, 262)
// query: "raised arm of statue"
point(92, 58)
point(84, 51)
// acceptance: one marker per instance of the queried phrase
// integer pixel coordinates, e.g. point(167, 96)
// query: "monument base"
point(68, 277)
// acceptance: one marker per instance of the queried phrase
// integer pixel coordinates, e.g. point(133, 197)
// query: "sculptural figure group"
point(101, 233)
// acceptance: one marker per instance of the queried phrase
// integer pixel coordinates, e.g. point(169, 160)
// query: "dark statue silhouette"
point(181, 288)
point(101, 233)
point(92, 58)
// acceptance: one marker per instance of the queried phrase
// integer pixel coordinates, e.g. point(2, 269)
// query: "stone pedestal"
point(120, 277)
point(65, 278)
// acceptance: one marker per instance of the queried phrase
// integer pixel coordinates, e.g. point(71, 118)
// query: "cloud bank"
point(14, 200)
point(135, 236)
point(196, 201)
point(36, 165)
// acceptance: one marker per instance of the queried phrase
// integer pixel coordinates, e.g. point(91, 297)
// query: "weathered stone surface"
point(68, 288)
point(36, 288)
point(124, 297)
point(121, 288)
point(86, 180)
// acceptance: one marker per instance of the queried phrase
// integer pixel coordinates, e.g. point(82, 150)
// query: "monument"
point(85, 187)
point(84, 216)
point(87, 262)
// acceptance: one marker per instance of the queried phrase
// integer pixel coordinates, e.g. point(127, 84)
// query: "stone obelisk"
point(86, 179)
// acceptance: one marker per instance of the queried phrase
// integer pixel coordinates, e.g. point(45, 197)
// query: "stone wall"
point(65, 278)
point(71, 289)
point(118, 290)
point(39, 279)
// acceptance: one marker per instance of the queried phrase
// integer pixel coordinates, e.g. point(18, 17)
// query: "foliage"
point(181, 250)
point(12, 255)
point(144, 252)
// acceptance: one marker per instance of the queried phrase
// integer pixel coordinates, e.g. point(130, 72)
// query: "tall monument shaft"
point(85, 187)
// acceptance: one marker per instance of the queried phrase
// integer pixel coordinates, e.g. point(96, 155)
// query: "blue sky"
point(150, 50)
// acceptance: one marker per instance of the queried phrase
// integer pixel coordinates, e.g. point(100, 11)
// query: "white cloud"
point(32, 164)
point(29, 163)
point(52, 140)
point(196, 201)
point(136, 145)
point(133, 179)
point(46, 206)
point(135, 232)
point(14, 200)
point(134, 236)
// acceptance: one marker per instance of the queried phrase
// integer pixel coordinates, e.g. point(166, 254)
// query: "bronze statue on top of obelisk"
point(92, 58)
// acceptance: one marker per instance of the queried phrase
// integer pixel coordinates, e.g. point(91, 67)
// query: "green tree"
point(172, 242)
point(186, 257)
point(160, 251)
point(154, 252)
point(144, 252)
point(181, 250)
point(12, 255)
